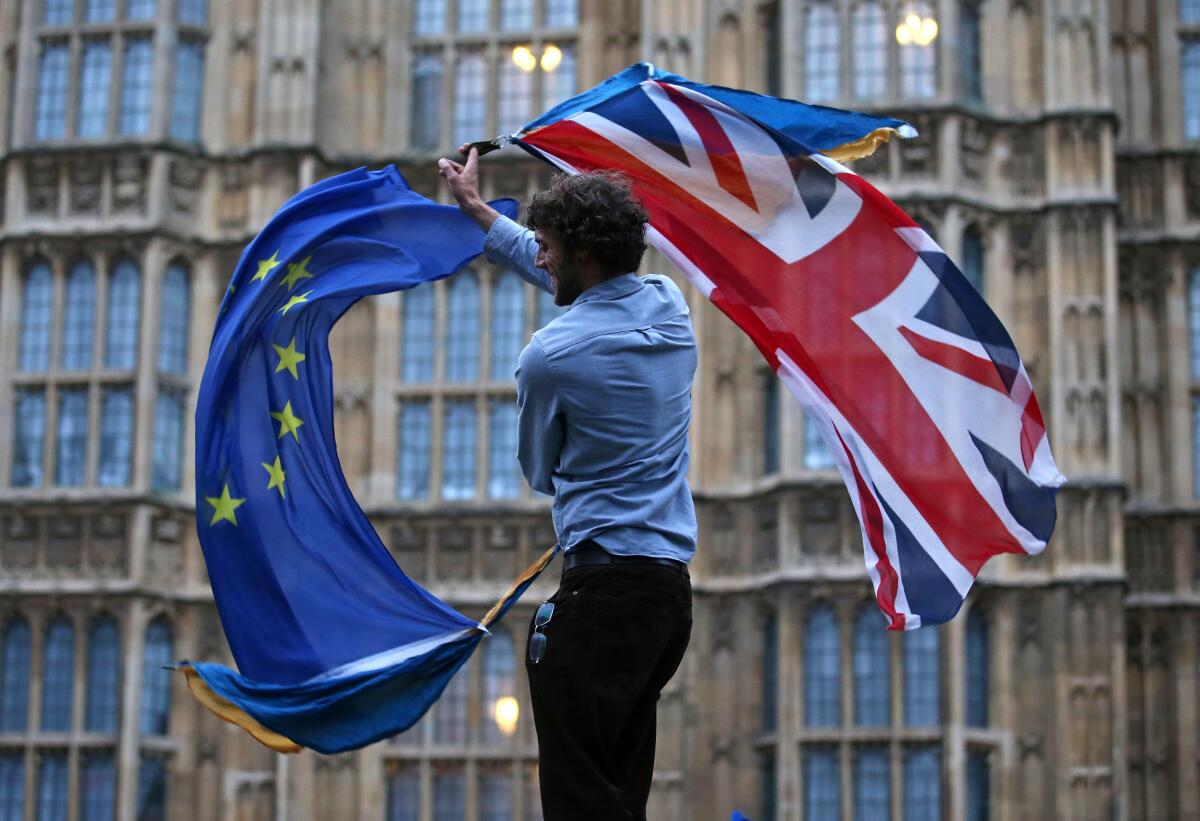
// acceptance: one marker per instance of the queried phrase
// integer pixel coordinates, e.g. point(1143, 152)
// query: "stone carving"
point(184, 178)
point(975, 141)
point(1027, 160)
point(129, 184)
point(106, 553)
point(724, 555)
point(242, 38)
point(1191, 186)
point(18, 548)
point(64, 543)
point(234, 203)
point(287, 65)
point(167, 529)
point(1027, 243)
point(819, 527)
point(85, 186)
point(918, 156)
point(722, 626)
point(766, 540)
point(364, 48)
point(41, 186)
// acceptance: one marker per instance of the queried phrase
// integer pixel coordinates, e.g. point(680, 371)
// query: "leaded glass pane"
point(1193, 322)
point(821, 52)
point(188, 90)
point(772, 29)
point(461, 334)
point(1189, 60)
point(58, 675)
point(514, 95)
point(140, 9)
point(50, 122)
point(29, 433)
point(98, 782)
point(559, 84)
point(412, 460)
point(37, 307)
point(918, 77)
point(767, 779)
point(822, 784)
point(471, 96)
point(79, 321)
point(103, 676)
point(450, 710)
point(156, 681)
point(499, 689)
point(418, 335)
point(429, 17)
point(458, 450)
point(978, 786)
point(508, 324)
point(1195, 445)
point(58, 12)
point(969, 50)
point(167, 469)
point(124, 302)
point(12, 785)
point(770, 673)
point(71, 464)
point(922, 677)
point(473, 15)
point(870, 51)
point(872, 785)
point(92, 116)
point(173, 321)
point(516, 15)
point(976, 671)
point(872, 686)
point(449, 792)
point(137, 86)
point(14, 676)
point(116, 437)
point(503, 477)
point(152, 789)
point(822, 670)
point(495, 794)
point(193, 12)
point(52, 797)
point(404, 792)
point(972, 257)
point(426, 106)
point(770, 423)
point(561, 14)
point(922, 782)
point(1189, 11)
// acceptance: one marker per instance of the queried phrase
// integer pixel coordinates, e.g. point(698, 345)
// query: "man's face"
point(553, 258)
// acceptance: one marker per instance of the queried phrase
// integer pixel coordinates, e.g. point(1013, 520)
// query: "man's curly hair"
point(596, 213)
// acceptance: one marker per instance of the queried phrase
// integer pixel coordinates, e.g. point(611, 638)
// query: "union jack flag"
point(913, 381)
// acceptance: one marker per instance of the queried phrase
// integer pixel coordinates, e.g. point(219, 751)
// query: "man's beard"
point(567, 287)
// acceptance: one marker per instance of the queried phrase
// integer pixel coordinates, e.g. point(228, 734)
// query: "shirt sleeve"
point(540, 424)
point(511, 246)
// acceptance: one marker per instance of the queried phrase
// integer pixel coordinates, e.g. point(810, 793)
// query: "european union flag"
point(335, 646)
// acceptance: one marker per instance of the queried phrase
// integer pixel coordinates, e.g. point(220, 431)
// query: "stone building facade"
point(143, 142)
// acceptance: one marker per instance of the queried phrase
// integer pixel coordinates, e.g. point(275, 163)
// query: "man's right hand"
point(464, 185)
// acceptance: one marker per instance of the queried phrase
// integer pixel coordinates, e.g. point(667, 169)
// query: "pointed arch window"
point(14, 676)
point(970, 50)
point(37, 308)
point(29, 434)
point(12, 784)
point(124, 302)
point(450, 712)
point(922, 677)
point(918, 63)
point(79, 319)
point(412, 456)
point(976, 672)
point(418, 336)
point(157, 652)
point(972, 257)
point(822, 670)
point(458, 450)
point(1189, 58)
point(103, 676)
point(91, 117)
point(137, 86)
point(470, 105)
point(822, 52)
point(872, 686)
point(508, 324)
point(50, 122)
point(870, 51)
point(173, 320)
point(503, 478)
point(427, 102)
point(58, 675)
point(52, 797)
point(460, 338)
point(499, 687)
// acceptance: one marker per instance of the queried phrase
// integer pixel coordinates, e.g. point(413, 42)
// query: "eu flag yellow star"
point(289, 358)
point(276, 472)
point(294, 301)
point(296, 272)
point(288, 421)
point(265, 266)
point(223, 506)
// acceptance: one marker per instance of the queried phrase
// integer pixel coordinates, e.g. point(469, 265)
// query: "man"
point(604, 397)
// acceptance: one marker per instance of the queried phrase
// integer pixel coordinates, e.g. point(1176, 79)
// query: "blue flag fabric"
point(336, 647)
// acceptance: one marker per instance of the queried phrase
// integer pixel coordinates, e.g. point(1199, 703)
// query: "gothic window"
point(58, 675)
point(767, 779)
point(58, 12)
point(1189, 11)
point(173, 321)
point(822, 783)
point(972, 257)
point(157, 652)
point(822, 54)
point(562, 13)
point(499, 687)
point(458, 450)
point(417, 351)
point(770, 423)
point(404, 792)
point(37, 306)
point(427, 102)
point(503, 478)
point(116, 436)
point(50, 122)
point(872, 662)
point(99, 11)
point(1190, 88)
point(461, 335)
point(79, 319)
point(770, 672)
point(976, 672)
point(71, 461)
point(495, 794)
point(816, 449)
point(412, 462)
point(870, 51)
point(969, 48)
point(508, 324)
point(29, 433)
point(559, 83)
point(14, 676)
point(52, 797)
point(450, 712)
point(922, 781)
point(918, 63)
point(514, 95)
point(429, 17)
point(92, 117)
point(12, 784)
point(98, 783)
point(822, 670)
point(187, 95)
point(140, 9)
point(167, 469)
point(922, 677)
point(978, 786)
point(1194, 321)
point(121, 328)
point(193, 12)
point(103, 676)
point(473, 15)
point(137, 86)
point(872, 784)
point(470, 105)
point(449, 792)
point(152, 789)
point(772, 29)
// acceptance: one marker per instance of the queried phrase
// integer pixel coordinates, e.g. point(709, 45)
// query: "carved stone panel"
point(233, 207)
point(1191, 187)
point(453, 554)
point(165, 556)
point(766, 536)
point(19, 537)
point(819, 531)
point(64, 545)
point(723, 543)
point(408, 546)
point(918, 156)
point(86, 179)
point(107, 554)
point(975, 141)
point(500, 552)
point(1027, 164)
point(184, 178)
point(129, 184)
point(41, 186)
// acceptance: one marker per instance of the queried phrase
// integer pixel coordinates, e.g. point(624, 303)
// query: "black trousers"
point(616, 637)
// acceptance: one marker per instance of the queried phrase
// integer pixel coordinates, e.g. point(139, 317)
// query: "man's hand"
point(464, 185)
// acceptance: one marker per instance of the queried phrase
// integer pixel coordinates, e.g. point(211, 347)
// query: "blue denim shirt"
point(604, 402)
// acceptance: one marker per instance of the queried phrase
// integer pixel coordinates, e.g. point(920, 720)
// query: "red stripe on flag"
point(724, 157)
point(955, 359)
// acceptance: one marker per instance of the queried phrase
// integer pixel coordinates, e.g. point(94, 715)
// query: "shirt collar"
point(613, 288)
